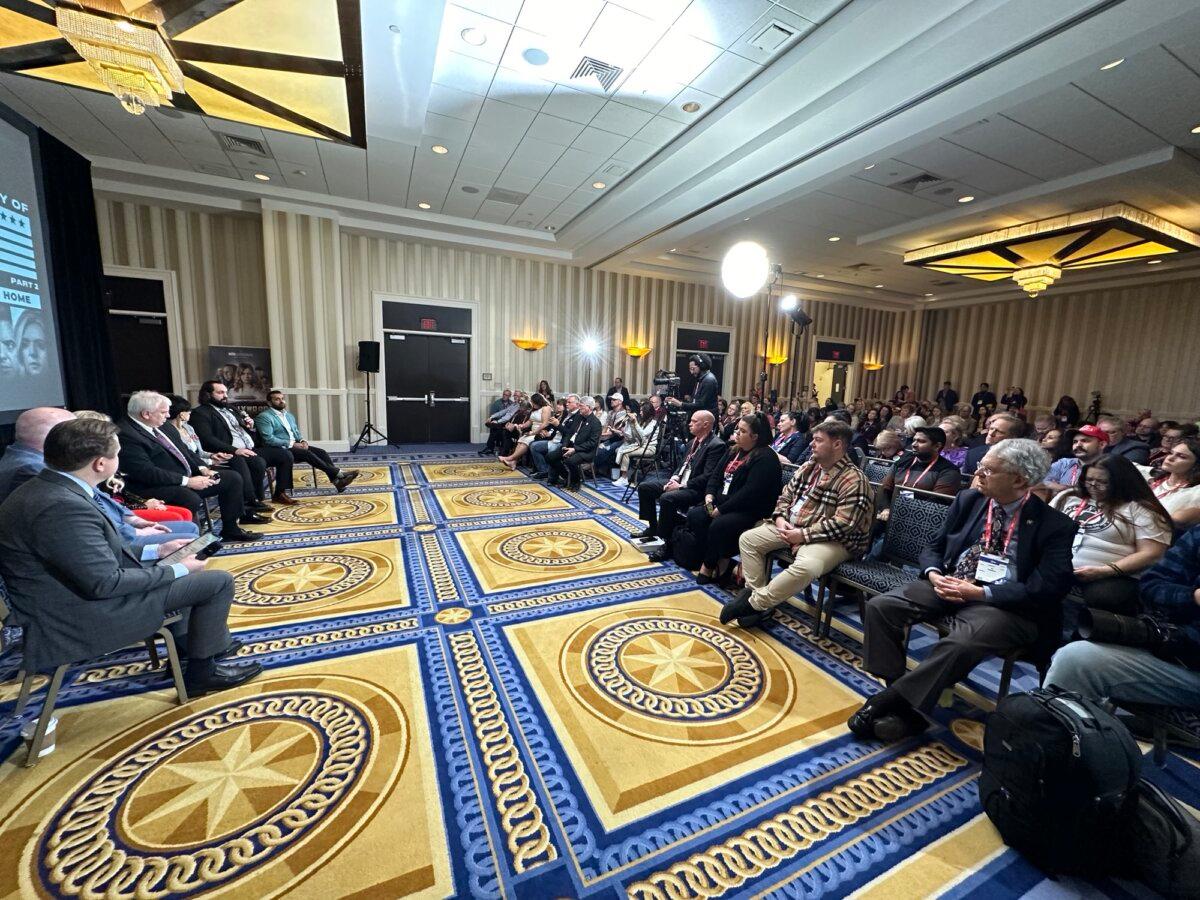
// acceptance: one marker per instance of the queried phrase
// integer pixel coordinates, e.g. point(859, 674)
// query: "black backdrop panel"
point(699, 341)
point(832, 351)
point(419, 317)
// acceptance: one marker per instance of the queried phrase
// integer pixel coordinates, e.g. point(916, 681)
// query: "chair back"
point(877, 469)
point(4, 610)
point(915, 521)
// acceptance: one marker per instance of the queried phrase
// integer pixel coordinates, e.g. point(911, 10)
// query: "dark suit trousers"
point(720, 535)
point(228, 492)
point(977, 631)
point(663, 510)
point(567, 467)
point(251, 471)
point(206, 596)
point(317, 457)
point(281, 459)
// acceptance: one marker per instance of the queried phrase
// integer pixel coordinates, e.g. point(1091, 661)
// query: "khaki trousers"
point(811, 562)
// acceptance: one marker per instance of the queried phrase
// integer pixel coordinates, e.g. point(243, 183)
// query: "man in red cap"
point(1087, 446)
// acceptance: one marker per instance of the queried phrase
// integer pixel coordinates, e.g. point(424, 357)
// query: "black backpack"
point(1163, 841)
point(687, 549)
point(1059, 778)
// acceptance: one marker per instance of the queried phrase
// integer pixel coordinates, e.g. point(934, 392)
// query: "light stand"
point(370, 434)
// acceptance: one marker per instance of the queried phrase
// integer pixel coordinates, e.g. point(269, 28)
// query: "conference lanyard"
point(912, 466)
point(1012, 526)
point(1167, 493)
point(1079, 510)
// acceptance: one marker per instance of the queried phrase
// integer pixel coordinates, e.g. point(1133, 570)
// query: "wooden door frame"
point(171, 312)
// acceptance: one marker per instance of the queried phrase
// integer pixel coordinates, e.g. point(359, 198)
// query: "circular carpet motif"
point(676, 676)
point(308, 579)
point(553, 547)
point(186, 804)
point(501, 498)
point(322, 511)
point(468, 471)
point(969, 732)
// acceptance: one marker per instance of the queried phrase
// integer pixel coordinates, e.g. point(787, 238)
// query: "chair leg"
point(1006, 673)
point(152, 650)
point(173, 659)
point(39, 734)
point(1160, 743)
point(26, 679)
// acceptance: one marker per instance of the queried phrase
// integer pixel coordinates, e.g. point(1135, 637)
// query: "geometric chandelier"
point(1036, 254)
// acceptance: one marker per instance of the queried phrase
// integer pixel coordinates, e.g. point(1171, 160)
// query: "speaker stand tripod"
point(370, 434)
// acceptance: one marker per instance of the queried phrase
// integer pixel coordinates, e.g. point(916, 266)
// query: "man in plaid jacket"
point(823, 515)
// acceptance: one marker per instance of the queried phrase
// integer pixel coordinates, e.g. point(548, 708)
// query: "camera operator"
point(704, 394)
point(1168, 671)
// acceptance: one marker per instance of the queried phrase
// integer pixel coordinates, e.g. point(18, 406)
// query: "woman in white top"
point(539, 419)
point(1123, 529)
point(1178, 488)
point(641, 437)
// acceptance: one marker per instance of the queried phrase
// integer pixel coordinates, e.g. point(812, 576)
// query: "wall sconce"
point(637, 352)
point(872, 367)
point(530, 344)
point(777, 360)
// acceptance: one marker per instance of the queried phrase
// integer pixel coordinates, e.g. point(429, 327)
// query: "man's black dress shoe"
point(252, 519)
point(738, 607)
point(341, 483)
point(901, 723)
point(232, 650)
point(662, 554)
point(645, 535)
point(485, 452)
point(539, 476)
point(259, 506)
point(239, 534)
point(222, 677)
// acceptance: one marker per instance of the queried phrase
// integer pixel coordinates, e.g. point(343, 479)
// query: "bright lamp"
point(745, 269)
point(788, 302)
point(589, 346)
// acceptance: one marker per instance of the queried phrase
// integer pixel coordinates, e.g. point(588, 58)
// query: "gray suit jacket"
point(73, 586)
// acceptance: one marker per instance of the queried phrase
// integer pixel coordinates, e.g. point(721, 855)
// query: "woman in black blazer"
point(742, 490)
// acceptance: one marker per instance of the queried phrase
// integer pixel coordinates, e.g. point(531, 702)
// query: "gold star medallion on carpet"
point(441, 473)
point(368, 476)
point(332, 511)
point(462, 503)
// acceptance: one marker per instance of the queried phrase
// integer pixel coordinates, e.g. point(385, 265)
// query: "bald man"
point(23, 459)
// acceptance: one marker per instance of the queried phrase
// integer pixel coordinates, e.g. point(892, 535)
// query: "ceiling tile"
point(389, 168)
point(462, 73)
point(1154, 89)
point(574, 105)
point(539, 151)
point(674, 109)
point(596, 141)
point(293, 148)
point(495, 212)
point(576, 160)
point(456, 19)
point(459, 204)
point(949, 160)
point(486, 155)
point(520, 89)
point(565, 22)
point(791, 21)
point(554, 129)
point(497, 118)
point(727, 73)
point(1024, 149)
point(679, 58)
point(720, 22)
point(475, 175)
point(552, 191)
point(203, 153)
point(504, 10)
point(622, 38)
point(456, 104)
point(312, 180)
point(1078, 119)
point(345, 169)
point(527, 168)
point(660, 10)
point(660, 130)
point(813, 10)
point(518, 183)
point(635, 152)
point(451, 131)
point(647, 90)
point(620, 119)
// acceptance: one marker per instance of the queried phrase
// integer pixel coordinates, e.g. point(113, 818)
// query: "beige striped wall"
point(1136, 345)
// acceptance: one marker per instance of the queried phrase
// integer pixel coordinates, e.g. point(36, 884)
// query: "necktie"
point(970, 560)
point(172, 449)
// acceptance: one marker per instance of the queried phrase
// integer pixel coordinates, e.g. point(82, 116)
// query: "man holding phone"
point(80, 592)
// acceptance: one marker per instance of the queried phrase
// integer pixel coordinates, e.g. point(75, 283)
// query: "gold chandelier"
point(130, 56)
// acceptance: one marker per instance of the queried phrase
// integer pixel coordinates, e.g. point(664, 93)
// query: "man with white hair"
point(540, 450)
point(155, 465)
point(996, 574)
point(577, 447)
point(23, 459)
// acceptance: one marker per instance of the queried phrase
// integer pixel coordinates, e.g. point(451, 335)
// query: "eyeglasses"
point(984, 472)
point(1095, 482)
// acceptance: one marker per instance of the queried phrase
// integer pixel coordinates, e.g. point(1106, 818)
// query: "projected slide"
point(29, 366)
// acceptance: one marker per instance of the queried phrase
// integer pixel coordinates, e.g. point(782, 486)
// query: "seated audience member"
point(1042, 423)
point(745, 408)
point(641, 437)
point(515, 427)
point(1015, 401)
point(1170, 592)
point(923, 467)
point(904, 395)
point(955, 450)
point(1178, 488)
point(179, 415)
point(1056, 443)
point(500, 402)
point(823, 517)
point(1123, 529)
point(1066, 413)
point(911, 424)
point(1122, 444)
point(947, 398)
point(869, 427)
point(495, 425)
point(1000, 427)
point(612, 434)
point(222, 430)
point(981, 399)
point(23, 458)
point(564, 425)
point(618, 387)
point(1087, 446)
point(790, 442)
point(536, 427)
point(997, 572)
point(155, 462)
point(1147, 431)
point(663, 501)
point(742, 490)
point(577, 448)
point(887, 445)
point(277, 427)
point(1171, 435)
point(79, 593)
point(543, 388)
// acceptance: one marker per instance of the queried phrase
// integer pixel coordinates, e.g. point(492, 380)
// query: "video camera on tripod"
point(667, 384)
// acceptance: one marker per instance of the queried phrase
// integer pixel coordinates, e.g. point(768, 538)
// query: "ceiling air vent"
point(772, 37)
point(605, 73)
point(500, 195)
point(917, 182)
point(862, 267)
point(243, 144)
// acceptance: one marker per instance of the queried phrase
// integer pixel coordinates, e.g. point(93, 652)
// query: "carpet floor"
point(476, 687)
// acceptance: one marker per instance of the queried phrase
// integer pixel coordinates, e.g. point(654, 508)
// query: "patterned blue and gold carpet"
point(476, 688)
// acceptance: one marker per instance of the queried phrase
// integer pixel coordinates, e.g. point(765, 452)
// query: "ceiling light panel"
point(622, 37)
point(679, 57)
point(567, 23)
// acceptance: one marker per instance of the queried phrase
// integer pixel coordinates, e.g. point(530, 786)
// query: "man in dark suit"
point(81, 593)
point(1000, 427)
point(156, 463)
point(577, 447)
point(997, 572)
point(222, 430)
point(540, 450)
point(662, 502)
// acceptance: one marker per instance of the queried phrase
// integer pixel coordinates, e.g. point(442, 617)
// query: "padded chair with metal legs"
point(56, 683)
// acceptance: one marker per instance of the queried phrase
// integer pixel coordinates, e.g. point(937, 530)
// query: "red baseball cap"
point(1093, 431)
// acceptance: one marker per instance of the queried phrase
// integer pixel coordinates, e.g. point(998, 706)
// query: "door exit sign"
point(429, 324)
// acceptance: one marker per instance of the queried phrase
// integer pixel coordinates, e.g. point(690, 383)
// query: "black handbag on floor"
point(1059, 779)
point(1163, 841)
point(687, 549)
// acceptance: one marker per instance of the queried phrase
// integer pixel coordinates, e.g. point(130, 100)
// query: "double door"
point(428, 388)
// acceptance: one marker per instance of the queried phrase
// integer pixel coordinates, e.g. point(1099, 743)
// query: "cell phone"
point(202, 547)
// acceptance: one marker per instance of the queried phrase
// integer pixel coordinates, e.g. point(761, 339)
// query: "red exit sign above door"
point(429, 324)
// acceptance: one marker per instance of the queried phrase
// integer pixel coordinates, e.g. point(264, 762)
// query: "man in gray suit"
point(79, 592)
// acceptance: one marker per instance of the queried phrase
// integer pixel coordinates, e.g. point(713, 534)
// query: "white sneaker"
point(621, 482)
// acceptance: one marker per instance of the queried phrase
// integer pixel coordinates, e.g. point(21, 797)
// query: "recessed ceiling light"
point(1154, 262)
point(535, 56)
point(299, 172)
point(1112, 65)
point(468, 189)
point(929, 295)
point(1196, 130)
point(691, 106)
point(820, 276)
point(473, 36)
point(551, 227)
point(394, 29)
point(834, 239)
point(672, 250)
point(423, 205)
point(262, 176)
point(747, 219)
point(599, 185)
point(868, 168)
point(439, 149)
point(966, 199)
point(879, 285)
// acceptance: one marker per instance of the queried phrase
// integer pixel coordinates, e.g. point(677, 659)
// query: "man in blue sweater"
point(1170, 592)
point(277, 427)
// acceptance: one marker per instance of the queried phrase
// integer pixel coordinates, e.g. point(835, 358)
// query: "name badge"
point(991, 568)
point(728, 481)
point(684, 474)
point(907, 495)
